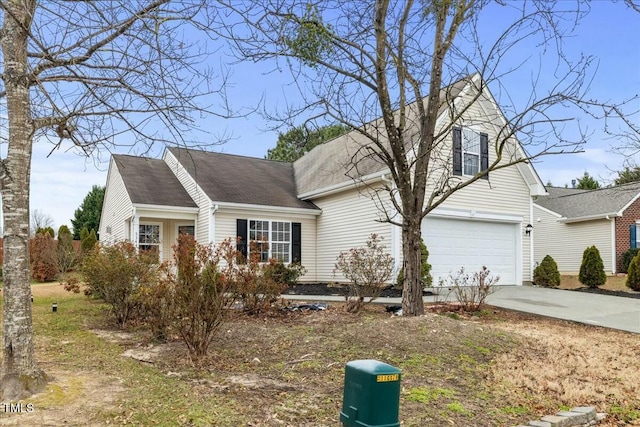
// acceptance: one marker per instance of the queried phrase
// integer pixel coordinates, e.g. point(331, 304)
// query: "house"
point(568, 220)
point(311, 210)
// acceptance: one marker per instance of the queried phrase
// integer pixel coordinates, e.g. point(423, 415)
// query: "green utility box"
point(371, 395)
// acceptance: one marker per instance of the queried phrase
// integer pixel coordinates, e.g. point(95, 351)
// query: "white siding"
point(196, 193)
point(348, 219)
point(116, 209)
point(566, 242)
point(225, 226)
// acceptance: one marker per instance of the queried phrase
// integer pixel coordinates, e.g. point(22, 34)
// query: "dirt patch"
point(70, 399)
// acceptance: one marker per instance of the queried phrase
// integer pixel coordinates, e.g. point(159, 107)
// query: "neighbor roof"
point(151, 182)
point(238, 179)
point(332, 163)
point(574, 204)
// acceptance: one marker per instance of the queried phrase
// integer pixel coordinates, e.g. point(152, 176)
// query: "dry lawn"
point(497, 369)
point(614, 283)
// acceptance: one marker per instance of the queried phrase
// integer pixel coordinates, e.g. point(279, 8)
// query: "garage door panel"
point(455, 243)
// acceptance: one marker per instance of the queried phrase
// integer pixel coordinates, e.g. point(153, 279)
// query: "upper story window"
point(470, 152)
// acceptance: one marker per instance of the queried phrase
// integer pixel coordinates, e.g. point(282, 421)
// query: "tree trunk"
point(412, 302)
point(20, 373)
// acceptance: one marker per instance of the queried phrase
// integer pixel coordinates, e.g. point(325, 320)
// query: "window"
point(149, 238)
point(281, 240)
point(271, 238)
point(470, 151)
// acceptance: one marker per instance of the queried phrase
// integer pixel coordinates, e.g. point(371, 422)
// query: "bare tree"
point(86, 75)
point(390, 69)
point(39, 219)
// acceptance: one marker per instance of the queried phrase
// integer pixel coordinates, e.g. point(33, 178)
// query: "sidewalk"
point(592, 309)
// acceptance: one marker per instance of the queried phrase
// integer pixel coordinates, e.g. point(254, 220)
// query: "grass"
point(288, 370)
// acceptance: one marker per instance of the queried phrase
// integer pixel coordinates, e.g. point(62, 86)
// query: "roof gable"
point(585, 204)
point(351, 157)
point(151, 182)
point(237, 179)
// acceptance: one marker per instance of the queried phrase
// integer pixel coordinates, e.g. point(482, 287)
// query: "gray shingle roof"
point(150, 181)
point(238, 179)
point(573, 204)
point(332, 163)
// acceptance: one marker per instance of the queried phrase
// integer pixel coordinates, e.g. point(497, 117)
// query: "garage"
point(455, 243)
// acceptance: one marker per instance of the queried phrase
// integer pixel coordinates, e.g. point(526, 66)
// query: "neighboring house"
point(313, 209)
point(568, 220)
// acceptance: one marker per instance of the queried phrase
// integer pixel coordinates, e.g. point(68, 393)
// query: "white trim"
point(266, 208)
point(588, 217)
point(165, 208)
point(519, 260)
point(475, 215)
point(613, 245)
point(550, 212)
point(336, 188)
point(625, 207)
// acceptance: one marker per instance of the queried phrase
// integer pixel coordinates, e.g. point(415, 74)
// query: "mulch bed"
point(609, 292)
point(324, 289)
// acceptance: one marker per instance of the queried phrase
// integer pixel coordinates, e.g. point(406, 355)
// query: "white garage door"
point(455, 243)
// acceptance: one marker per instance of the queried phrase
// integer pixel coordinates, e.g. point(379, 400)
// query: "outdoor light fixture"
point(527, 229)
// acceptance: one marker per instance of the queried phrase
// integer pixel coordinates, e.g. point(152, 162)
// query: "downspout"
point(135, 227)
point(395, 240)
point(613, 244)
point(531, 241)
point(212, 224)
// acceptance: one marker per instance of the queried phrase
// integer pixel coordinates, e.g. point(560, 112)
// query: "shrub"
point(471, 291)
point(44, 262)
point(367, 269)
point(633, 276)
point(627, 256)
point(284, 274)
point(198, 290)
point(592, 268)
point(88, 240)
point(257, 285)
point(65, 251)
point(546, 274)
point(115, 274)
point(425, 269)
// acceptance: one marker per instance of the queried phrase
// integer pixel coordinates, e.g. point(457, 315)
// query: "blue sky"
point(611, 33)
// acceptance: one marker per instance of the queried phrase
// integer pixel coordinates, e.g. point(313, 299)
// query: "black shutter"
point(484, 154)
point(632, 236)
point(296, 242)
point(241, 233)
point(457, 151)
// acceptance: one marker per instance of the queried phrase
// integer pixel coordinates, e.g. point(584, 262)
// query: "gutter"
point(589, 217)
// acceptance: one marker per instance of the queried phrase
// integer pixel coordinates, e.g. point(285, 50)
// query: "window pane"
point(471, 162)
point(149, 233)
point(186, 229)
point(470, 141)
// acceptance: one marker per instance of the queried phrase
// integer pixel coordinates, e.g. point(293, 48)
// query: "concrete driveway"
point(592, 309)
